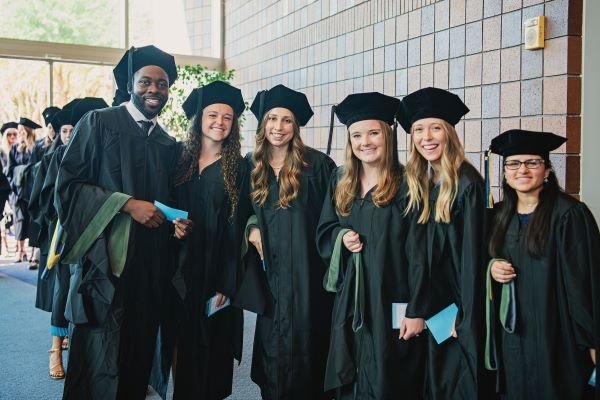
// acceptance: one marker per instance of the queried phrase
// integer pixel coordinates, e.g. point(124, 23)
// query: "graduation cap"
point(214, 92)
point(363, 106)
point(518, 141)
point(85, 105)
point(8, 125)
point(49, 113)
point(430, 103)
point(282, 96)
point(28, 123)
point(121, 96)
point(61, 118)
point(136, 58)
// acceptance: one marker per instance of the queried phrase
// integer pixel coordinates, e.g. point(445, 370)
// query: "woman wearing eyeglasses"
point(545, 269)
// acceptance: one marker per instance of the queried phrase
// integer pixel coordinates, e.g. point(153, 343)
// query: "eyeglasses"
point(11, 134)
point(529, 164)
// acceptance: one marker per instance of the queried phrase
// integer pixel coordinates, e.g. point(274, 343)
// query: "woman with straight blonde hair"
point(447, 193)
point(375, 261)
point(288, 184)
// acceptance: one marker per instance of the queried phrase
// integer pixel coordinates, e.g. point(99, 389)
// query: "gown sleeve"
point(329, 225)
point(417, 266)
point(579, 258)
point(77, 184)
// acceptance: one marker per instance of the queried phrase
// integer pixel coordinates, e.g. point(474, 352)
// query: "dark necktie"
point(146, 126)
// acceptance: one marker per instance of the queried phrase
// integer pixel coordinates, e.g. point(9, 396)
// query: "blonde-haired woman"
point(21, 155)
point(447, 193)
point(9, 137)
point(288, 184)
point(375, 261)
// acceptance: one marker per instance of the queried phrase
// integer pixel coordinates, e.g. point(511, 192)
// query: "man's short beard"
point(138, 102)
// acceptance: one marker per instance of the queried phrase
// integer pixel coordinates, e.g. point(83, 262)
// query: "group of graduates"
point(322, 254)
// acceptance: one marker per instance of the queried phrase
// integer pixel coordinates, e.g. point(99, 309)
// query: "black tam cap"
point(121, 96)
point(136, 58)
point(362, 106)
point(214, 92)
point(61, 118)
point(86, 105)
point(282, 96)
point(28, 123)
point(49, 113)
point(517, 141)
point(8, 125)
point(430, 103)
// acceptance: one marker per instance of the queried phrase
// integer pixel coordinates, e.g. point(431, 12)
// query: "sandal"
point(65, 343)
point(56, 371)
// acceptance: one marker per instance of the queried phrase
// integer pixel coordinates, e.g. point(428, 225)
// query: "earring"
point(546, 180)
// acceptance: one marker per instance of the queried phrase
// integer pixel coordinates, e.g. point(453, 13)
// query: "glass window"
point(24, 89)
point(182, 27)
point(81, 80)
point(84, 22)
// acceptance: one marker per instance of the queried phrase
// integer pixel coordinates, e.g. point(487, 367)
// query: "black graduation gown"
point(116, 319)
point(39, 237)
point(557, 308)
point(291, 338)
point(21, 186)
point(373, 363)
point(60, 271)
point(456, 275)
point(209, 261)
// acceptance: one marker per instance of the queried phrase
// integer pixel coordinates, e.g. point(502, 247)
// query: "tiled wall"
point(198, 19)
point(329, 49)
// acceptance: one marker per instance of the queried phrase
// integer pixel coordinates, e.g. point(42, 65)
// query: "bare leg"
point(56, 365)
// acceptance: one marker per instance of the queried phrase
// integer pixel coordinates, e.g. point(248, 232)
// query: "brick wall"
point(198, 19)
point(329, 49)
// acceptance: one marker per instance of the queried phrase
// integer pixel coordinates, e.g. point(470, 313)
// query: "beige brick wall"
point(329, 49)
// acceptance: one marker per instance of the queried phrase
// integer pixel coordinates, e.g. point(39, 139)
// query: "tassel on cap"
point(330, 138)
point(488, 193)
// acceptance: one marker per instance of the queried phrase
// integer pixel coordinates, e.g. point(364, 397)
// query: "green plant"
point(189, 77)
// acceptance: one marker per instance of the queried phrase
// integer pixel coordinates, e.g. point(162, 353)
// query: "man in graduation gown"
point(119, 162)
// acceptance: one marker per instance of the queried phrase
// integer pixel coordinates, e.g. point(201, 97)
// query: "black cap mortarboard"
point(362, 106)
point(85, 105)
point(282, 96)
point(214, 92)
point(8, 125)
point(430, 103)
point(28, 123)
point(517, 141)
point(49, 113)
point(139, 58)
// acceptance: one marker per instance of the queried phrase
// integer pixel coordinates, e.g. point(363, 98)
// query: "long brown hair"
point(28, 142)
point(388, 181)
point(289, 178)
point(230, 157)
point(418, 178)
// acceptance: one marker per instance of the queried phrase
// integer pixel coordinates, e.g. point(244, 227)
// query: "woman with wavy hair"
point(289, 181)
point(211, 183)
point(447, 193)
point(546, 251)
point(375, 261)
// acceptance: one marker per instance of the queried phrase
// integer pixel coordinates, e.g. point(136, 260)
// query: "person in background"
point(118, 163)
point(288, 185)
point(22, 157)
point(375, 261)
point(545, 246)
point(447, 193)
point(48, 141)
point(9, 137)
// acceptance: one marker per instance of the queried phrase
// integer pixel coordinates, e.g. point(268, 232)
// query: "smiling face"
point(523, 179)
point(430, 138)
point(279, 126)
point(150, 90)
point(368, 141)
point(217, 120)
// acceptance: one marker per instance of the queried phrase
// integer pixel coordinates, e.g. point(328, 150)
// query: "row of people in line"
point(320, 253)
